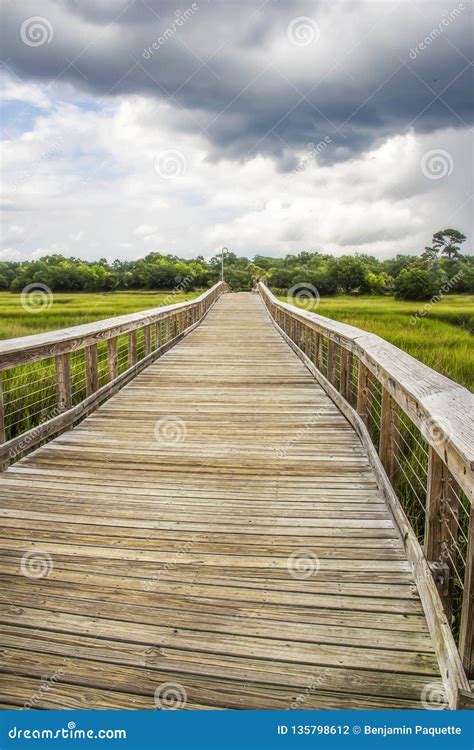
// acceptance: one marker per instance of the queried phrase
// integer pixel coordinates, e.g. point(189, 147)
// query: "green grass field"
point(72, 309)
point(441, 339)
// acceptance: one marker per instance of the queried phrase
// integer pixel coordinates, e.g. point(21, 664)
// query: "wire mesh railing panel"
point(410, 456)
point(78, 377)
point(29, 396)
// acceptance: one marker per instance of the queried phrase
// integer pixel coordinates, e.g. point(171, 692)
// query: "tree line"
point(441, 266)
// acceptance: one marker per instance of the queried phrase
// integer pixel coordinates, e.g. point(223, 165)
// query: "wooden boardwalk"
point(213, 532)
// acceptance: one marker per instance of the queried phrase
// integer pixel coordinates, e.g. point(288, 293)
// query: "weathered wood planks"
point(180, 521)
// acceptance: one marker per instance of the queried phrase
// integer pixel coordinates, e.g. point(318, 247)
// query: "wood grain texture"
point(431, 400)
point(215, 524)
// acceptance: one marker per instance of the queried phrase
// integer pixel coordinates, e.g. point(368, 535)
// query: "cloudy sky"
point(135, 125)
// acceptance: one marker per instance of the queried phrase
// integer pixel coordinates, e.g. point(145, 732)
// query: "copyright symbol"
point(356, 729)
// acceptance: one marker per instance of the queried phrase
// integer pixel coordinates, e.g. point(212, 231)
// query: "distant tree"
point(394, 266)
point(415, 284)
point(377, 283)
point(448, 242)
point(350, 273)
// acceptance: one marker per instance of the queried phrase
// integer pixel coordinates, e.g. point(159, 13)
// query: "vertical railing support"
point(112, 358)
point(331, 361)
point(146, 340)
point(389, 445)
point(132, 348)
point(3, 435)
point(63, 381)
point(346, 370)
point(362, 391)
point(90, 360)
point(158, 334)
point(441, 527)
point(466, 635)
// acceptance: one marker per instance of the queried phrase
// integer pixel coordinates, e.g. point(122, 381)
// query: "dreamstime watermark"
point(170, 431)
point(317, 682)
point(437, 430)
point(47, 682)
point(32, 436)
point(149, 584)
point(448, 18)
point(302, 31)
point(436, 164)
point(447, 286)
point(170, 163)
point(44, 156)
point(170, 696)
point(36, 564)
point(36, 298)
point(282, 451)
point(434, 697)
point(303, 563)
point(313, 150)
point(179, 20)
point(304, 295)
point(36, 31)
point(182, 284)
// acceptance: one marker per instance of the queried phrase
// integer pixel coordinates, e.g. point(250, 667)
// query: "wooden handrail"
point(160, 329)
point(430, 399)
point(25, 349)
point(409, 396)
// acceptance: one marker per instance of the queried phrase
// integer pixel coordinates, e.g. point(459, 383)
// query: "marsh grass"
point(441, 339)
point(30, 390)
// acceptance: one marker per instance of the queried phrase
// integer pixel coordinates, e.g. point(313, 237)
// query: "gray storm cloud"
point(261, 78)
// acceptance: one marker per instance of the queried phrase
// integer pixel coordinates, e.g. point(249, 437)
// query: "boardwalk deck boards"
point(180, 520)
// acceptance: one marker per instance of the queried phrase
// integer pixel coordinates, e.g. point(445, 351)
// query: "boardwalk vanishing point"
point(216, 534)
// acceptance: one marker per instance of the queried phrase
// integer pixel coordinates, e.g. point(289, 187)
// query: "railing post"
point(319, 352)
point(466, 634)
point(3, 436)
point(362, 391)
point(90, 360)
point(158, 334)
point(4, 463)
point(132, 348)
point(346, 369)
point(331, 361)
point(112, 358)
point(146, 340)
point(388, 445)
point(441, 528)
point(63, 380)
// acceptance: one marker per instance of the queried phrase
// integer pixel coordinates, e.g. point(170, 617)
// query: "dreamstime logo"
point(170, 696)
point(303, 564)
point(438, 430)
point(48, 152)
point(302, 31)
point(415, 317)
point(178, 21)
point(36, 564)
point(36, 298)
point(312, 153)
point(170, 163)
point(433, 697)
point(36, 31)
point(436, 164)
point(304, 295)
point(447, 19)
point(170, 431)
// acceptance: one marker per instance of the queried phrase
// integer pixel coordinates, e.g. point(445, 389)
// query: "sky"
point(131, 126)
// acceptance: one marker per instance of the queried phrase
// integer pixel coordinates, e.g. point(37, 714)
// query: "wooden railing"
point(51, 380)
point(417, 427)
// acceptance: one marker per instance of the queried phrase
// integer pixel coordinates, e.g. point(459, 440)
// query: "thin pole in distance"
point(224, 250)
